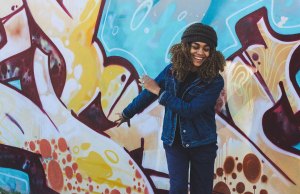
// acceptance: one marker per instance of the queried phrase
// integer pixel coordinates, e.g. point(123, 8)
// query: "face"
point(199, 51)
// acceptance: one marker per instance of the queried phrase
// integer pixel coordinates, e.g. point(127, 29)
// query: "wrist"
point(158, 91)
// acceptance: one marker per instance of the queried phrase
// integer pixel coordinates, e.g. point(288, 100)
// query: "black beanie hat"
point(199, 32)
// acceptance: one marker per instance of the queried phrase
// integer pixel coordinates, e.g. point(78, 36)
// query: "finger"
point(122, 121)
point(128, 123)
point(118, 125)
point(141, 81)
point(117, 120)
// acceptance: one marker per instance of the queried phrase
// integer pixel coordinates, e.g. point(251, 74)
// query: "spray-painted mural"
point(67, 67)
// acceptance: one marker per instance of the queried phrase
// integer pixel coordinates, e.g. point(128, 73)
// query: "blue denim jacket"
point(195, 108)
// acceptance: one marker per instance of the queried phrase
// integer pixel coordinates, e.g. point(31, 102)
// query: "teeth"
point(198, 58)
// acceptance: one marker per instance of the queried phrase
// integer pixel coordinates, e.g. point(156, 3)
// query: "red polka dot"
point(130, 162)
point(55, 176)
point(79, 177)
point(146, 191)
point(115, 191)
point(69, 172)
point(128, 190)
point(263, 191)
point(64, 161)
point(62, 144)
point(32, 146)
point(74, 166)
point(137, 174)
point(69, 157)
point(45, 148)
point(91, 188)
point(78, 189)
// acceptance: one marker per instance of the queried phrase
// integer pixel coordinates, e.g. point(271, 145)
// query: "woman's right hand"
point(121, 120)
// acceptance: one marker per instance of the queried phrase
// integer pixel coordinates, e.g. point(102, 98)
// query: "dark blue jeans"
point(200, 160)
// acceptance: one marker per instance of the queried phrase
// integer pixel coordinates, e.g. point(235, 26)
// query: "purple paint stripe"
point(15, 122)
point(61, 3)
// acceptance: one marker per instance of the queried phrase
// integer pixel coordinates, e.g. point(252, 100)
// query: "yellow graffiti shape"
point(73, 36)
point(272, 64)
point(85, 146)
point(95, 167)
point(248, 98)
point(112, 83)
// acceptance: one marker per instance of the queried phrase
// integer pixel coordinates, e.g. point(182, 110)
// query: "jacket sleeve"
point(199, 104)
point(145, 98)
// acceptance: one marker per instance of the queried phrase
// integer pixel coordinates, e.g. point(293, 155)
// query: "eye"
point(195, 46)
point(206, 49)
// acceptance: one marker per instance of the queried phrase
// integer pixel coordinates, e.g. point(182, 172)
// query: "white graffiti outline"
point(119, 49)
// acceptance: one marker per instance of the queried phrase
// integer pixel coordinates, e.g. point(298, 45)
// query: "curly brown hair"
point(182, 62)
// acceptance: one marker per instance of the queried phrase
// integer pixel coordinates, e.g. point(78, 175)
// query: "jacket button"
point(187, 145)
point(184, 131)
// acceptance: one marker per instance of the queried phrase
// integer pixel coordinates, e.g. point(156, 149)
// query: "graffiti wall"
point(67, 67)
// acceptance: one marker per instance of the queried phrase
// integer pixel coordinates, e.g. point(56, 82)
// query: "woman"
point(188, 88)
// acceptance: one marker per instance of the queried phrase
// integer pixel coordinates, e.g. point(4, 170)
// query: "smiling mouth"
point(199, 59)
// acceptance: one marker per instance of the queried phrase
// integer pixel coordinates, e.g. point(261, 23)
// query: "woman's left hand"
point(149, 84)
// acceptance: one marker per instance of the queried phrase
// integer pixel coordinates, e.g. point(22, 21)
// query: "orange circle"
point(45, 148)
point(62, 144)
point(55, 176)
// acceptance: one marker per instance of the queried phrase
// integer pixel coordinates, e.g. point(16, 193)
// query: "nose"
point(200, 51)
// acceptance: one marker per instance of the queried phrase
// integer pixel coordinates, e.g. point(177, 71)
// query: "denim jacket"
point(195, 108)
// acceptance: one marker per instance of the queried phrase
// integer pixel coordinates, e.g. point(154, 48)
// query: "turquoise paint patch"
point(140, 37)
point(155, 1)
point(288, 3)
point(14, 181)
point(16, 84)
point(146, 36)
point(298, 78)
point(297, 146)
point(223, 16)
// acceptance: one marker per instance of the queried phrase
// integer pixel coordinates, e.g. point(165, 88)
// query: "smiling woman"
point(188, 88)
